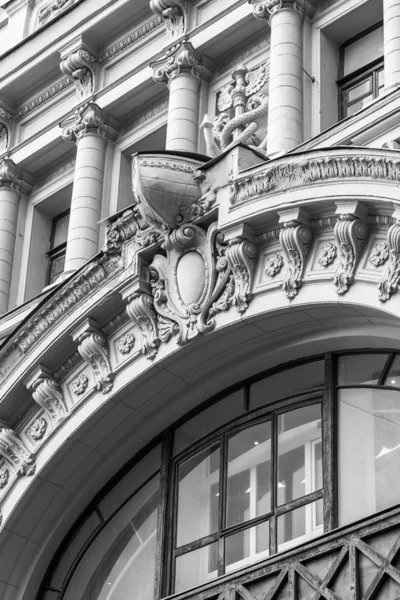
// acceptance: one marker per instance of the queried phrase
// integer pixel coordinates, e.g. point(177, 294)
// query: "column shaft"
point(391, 34)
point(285, 115)
point(9, 204)
point(183, 113)
point(83, 231)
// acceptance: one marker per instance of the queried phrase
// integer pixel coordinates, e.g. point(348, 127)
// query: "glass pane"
point(369, 452)
point(353, 108)
point(213, 417)
point(57, 264)
point(249, 474)
point(360, 368)
point(60, 230)
point(197, 567)
point(246, 547)
point(290, 381)
point(363, 51)
point(393, 377)
point(300, 525)
point(122, 557)
point(360, 89)
point(198, 496)
point(299, 453)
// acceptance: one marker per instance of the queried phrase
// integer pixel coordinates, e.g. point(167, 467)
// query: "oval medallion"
point(190, 277)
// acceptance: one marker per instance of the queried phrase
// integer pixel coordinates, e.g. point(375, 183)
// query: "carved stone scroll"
point(173, 13)
point(14, 450)
point(46, 391)
point(140, 309)
point(181, 58)
point(389, 283)
point(295, 240)
point(241, 256)
point(350, 233)
point(9, 175)
point(89, 119)
point(5, 130)
point(81, 65)
point(93, 348)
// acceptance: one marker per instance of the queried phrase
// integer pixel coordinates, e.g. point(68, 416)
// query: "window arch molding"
point(172, 449)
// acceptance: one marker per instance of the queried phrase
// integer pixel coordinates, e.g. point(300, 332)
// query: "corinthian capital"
point(264, 9)
point(9, 175)
point(180, 59)
point(87, 120)
point(81, 66)
point(173, 13)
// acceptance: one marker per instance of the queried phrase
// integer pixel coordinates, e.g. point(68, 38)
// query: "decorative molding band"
point(68, 366)
point(241, 57)
point(350, 233)
point(287, 176)
point(138, 34)
point(13, 449)
point(52, 10)
point(46, 392)
point(295, 240)
point(115, 323)
point(45, 97)
point(146, 117)
point(269, 236)
point(323, 223)
point(389, 283)
point(382, 220)
point(93, 348)
point(59, 172)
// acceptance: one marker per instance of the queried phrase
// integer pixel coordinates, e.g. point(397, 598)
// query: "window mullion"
point(274, 454)
point(329, 447)
point(223, 483)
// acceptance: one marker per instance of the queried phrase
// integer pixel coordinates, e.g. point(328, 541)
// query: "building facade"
point(199, 307)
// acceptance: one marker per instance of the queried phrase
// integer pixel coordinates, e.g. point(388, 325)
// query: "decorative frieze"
point(14, 450)
point(131, 39)
point(52, 9)
point(285, 176)
point(47, 393)
point(351, 233)
point(81, 66)
point(146, 117)
point(55, 90)
point(87, 120)
point(173, 14)
point(93, 348)
point(115, 323)
point(5, 130)
point(68, 167)
point(389, 283)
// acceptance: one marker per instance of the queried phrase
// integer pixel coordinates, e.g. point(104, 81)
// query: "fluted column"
point(182, 71)
point(391, 36)
point(285, 115)
point(89, 130)
point(10, 193)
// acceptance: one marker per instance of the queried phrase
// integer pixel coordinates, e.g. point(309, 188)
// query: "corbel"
point(47, 393)
point(241, 253)
point(79, 62)
point(173, 13)
point(140, 310)
point(5, 129)
point(14, 450)
point(351, 232)
point(389, 283)
point(93, 348)
point(295, 239)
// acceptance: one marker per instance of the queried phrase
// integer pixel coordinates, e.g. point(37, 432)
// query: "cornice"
point(131, 39)
point(56, 89)
point(146, 116)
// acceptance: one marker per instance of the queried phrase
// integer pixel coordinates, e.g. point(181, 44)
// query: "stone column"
point(285, 115)
point(182, 71)
point(90, 131)
point(10, 193)
point(391, 36)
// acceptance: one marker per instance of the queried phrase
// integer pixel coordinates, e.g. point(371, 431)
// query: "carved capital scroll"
point(87, 120)
point(46, 392)
point(241, 256)
point(81, 65)
point(295, 240)
point(350, 233)
point(264, 9)
point(173, 13)
point(140, 309)
point(14, 450)
point(9, 175)
point(389, 283)
point(182, 58)
point(93, 348)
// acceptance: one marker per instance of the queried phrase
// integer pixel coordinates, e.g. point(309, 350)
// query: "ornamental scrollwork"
point(9, 175)
point(47, 393)
point(140, 309)
point(241, 108)
point(38, 429)
point(5, 130)
point(274, 265)
point(79, 384)
point(81, 66)
point(14, 450)
point(389, 283)
point(350, 233)
point(93, 348)
point(125, 343)
point(87, 119)
point(295, 240)
point(327, 254)
point(173, 13)
point(379, 254)
point(4, 477)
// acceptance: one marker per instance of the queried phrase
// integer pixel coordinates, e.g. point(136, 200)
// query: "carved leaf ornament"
point(350, 233)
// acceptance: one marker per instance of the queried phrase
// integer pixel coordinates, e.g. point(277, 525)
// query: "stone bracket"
point(14, 450)
point(351, 232)
point(389, 283)
point(93, 348)
point(46, 392)
point(295, 239)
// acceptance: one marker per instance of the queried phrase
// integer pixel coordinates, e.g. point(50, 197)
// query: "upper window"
point(361, 66)
point(281, 460)
point(58, 246)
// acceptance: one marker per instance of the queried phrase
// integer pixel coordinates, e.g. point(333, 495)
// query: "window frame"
point(55, 252)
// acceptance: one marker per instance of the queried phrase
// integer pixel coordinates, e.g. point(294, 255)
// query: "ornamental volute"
point(10, 175)
point(181, 59)
point(89, 119)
